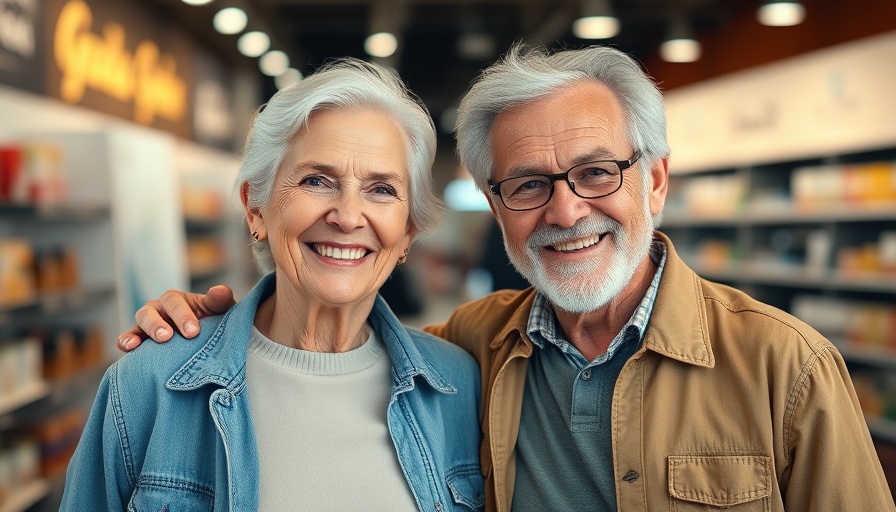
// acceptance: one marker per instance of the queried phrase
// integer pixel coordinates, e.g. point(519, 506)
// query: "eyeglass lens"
point(588, 180)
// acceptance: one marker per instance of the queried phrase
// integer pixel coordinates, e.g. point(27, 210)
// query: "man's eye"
point(528, 187)
point(595, 172)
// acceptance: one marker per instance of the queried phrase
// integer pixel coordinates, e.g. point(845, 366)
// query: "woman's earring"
point(255, 235)
point(404, 257)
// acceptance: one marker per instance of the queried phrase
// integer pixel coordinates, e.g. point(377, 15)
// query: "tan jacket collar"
point(678, 324)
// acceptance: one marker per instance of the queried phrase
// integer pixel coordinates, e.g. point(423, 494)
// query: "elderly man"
point(622, 380)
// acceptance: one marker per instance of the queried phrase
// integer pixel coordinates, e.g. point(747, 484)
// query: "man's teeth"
point(576, 244)
point(338, 253)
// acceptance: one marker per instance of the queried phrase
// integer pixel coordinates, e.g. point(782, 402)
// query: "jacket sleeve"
point(833, 462)
point(96, 478)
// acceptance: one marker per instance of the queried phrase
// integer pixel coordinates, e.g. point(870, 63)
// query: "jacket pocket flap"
point(721, 480)
point(465, 483)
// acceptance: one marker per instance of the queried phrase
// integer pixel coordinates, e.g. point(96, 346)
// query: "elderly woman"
point(308, 394)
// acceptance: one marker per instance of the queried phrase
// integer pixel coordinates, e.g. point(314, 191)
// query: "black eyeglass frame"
point(495, 188)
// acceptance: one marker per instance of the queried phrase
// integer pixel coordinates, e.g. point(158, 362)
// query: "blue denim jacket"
point(171, 429)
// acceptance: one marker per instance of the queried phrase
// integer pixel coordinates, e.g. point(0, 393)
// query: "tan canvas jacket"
point(729, 403)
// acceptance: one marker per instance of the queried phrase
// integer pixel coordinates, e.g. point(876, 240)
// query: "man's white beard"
point(588, 285)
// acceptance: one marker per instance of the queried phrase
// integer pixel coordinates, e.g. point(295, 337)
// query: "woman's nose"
point(347, 212)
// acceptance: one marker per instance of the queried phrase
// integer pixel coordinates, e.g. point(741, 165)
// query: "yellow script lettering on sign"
point(146, 77)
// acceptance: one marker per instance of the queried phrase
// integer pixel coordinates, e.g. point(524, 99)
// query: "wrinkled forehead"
point(554, 132)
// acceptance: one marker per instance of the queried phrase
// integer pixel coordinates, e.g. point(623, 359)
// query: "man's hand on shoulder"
point(158, 318)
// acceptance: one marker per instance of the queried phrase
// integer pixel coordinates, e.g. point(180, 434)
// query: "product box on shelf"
point(862, 185)
point(32, 173)
point(21, 364)
point(19, 466)
point(17, 279)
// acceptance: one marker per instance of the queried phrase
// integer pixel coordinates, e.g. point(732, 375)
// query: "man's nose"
point(565, 208)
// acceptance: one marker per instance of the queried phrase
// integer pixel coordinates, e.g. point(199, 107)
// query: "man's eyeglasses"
point(589, 180)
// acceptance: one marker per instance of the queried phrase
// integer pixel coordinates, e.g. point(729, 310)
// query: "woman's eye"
point(314, 181)
point(384, 190)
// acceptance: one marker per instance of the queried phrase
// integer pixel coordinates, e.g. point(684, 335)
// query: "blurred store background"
point(121, 122)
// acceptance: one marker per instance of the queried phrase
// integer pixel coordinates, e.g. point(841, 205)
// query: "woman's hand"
point(174, 309)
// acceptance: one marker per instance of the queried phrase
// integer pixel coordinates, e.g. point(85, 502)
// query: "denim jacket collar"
point(222, 359)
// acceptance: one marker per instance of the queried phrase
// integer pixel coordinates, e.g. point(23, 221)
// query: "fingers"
point(180, 308)
point(130, 340)
point(219, 299)
point(158, 318)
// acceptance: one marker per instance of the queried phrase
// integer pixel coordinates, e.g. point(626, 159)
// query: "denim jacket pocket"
point(167, 494)
point(739, 482)
point(467, 489)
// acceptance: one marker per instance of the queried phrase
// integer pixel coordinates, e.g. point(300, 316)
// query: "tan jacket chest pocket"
point(739, 483)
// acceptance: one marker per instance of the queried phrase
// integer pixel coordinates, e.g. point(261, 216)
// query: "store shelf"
point(797, 277)
point(54, 213)
point(25, 497)
point(21, 397)
point(52, 303)
point(872, 357)
point(785, 215)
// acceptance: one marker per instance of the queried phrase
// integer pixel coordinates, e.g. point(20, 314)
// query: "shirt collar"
point(542, 326)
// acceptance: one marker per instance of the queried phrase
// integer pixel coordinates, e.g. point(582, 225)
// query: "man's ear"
point(659, 185)
point(253, 215)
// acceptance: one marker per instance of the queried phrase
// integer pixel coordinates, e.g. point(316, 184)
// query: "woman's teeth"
point(340, 253)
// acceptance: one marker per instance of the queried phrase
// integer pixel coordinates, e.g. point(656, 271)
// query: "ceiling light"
point(476, 46)
point(381, 44)
point(289, 77)
point(781, 13)
point(196, 2)
point(253, 44)
point(680, 45)
point(595, 27)
point(273, 63)
point(680, 50)
point(230, 21)
point(597, 21)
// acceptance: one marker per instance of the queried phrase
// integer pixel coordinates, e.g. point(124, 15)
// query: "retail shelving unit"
point(82, 262)
point(783, 184)
point(833, 263)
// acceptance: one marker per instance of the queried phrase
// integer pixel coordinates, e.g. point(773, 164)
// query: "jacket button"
point(631, 476)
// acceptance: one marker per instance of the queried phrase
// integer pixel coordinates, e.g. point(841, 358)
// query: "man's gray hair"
point(526, 75)
point(343, 83)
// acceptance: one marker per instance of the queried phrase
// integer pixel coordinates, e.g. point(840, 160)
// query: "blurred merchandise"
point(714, 196)
point(33, 173)
point(876, 390)
point(201, 203)
point(58, 437)
point(715, 255)
point(20, 465)
point(869, 258)
point(18, 282)
point(21, 365)
point(857, 185)
point(69, 350)
point(205, 255)
point(864, 326)
point(26, 271)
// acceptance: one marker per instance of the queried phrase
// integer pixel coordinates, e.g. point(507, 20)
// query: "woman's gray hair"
point(342, 83)
point(523, 76)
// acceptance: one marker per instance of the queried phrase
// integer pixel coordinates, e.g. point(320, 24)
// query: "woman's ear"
point(253, 215)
